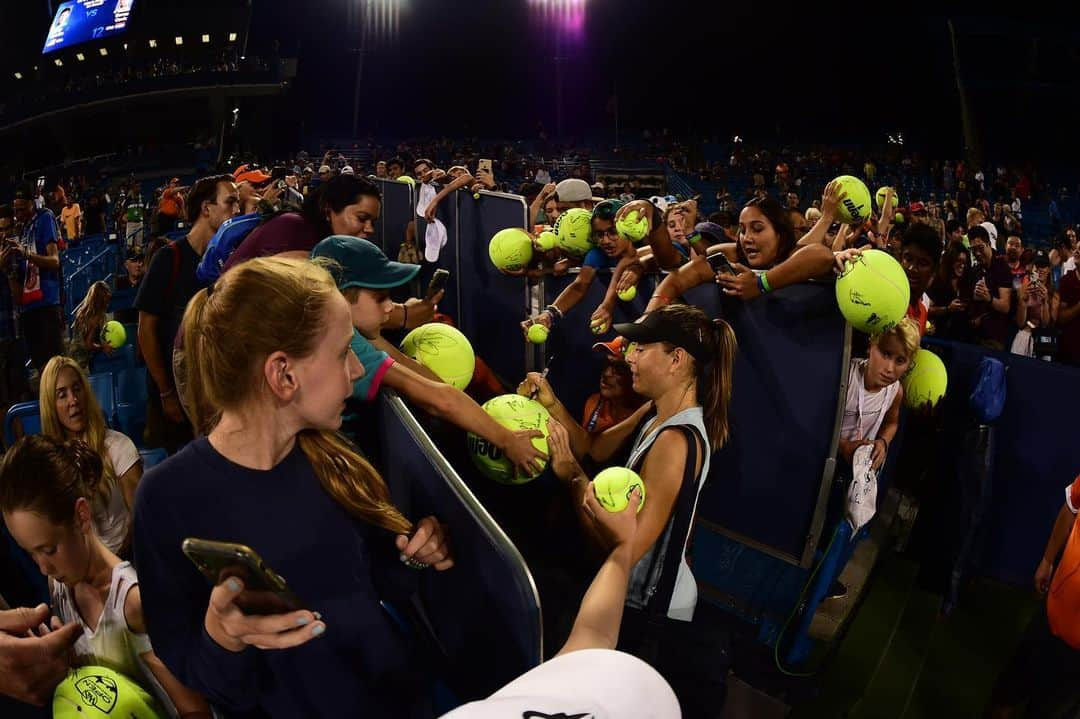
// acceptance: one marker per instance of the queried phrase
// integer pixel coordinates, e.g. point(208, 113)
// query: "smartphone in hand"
point(265, 591)
point(438, 282)
point(719, 262)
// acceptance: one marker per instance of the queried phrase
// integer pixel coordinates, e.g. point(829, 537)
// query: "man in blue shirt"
point(41, 319)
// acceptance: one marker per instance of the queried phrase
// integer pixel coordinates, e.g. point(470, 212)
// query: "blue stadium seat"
point(131, 385)
point(124, 358)
point(131, 419)
point(27, 414)
point(102, 385)
point(150, 457)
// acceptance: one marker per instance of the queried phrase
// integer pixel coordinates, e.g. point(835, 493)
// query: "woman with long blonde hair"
point(90, 317)
point(69, 410)
point(270, 365)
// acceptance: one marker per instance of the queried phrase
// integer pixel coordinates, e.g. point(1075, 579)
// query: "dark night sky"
point(765, 71)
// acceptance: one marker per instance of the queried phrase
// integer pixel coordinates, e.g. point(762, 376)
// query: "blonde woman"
point(69, 410)
point(90, 318)
point(269, 359)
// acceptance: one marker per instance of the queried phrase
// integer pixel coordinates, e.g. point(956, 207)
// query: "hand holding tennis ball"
point(537, 334)
point(628, 294)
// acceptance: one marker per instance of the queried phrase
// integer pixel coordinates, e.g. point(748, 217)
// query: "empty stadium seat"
point(123, 358)
point(131, 419)
point(101, 384)
point(131, 385)
point(150, 457)
point(27, 414)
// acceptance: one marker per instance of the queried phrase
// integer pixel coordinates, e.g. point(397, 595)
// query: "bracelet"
point(763, 284)
point(664, 298)
point(166, 395)
point(694, 238)
point(405, 319)
point(556, 313)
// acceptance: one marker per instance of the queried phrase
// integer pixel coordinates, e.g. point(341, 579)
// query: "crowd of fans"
point(262, 331)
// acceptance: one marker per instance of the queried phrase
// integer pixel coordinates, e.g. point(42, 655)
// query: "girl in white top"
point(69, 410)
point(874, 393)
point(44, 490)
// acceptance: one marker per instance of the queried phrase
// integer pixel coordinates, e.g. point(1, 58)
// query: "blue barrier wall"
point(397, 210)
point(1036, 454)
point(485, 610)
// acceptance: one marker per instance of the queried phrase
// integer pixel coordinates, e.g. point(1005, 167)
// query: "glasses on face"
point(611, 232)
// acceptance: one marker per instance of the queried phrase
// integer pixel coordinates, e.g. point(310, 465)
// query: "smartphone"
point(485, 165)
point(265, 591)
point(438, 282)
point(718, 261)
point(41, 185)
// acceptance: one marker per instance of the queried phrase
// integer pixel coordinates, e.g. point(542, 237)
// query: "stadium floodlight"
point(153, 43)
point(232, 37)
point(18, 76)
point(205, 38)
point(59, 62)
point(79, 56)
point(105, 52)
point(179, 40)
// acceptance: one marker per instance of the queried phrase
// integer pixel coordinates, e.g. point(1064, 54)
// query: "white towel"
point(427, 194)
point(434, 239)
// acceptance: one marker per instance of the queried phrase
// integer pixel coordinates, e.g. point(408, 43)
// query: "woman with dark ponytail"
point(683, 362)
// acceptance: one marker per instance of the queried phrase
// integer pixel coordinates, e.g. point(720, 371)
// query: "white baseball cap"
point(590, 684)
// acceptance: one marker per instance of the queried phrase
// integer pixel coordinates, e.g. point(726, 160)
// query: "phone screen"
point(719, 263)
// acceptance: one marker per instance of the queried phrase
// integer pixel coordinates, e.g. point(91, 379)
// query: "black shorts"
point(1044, 672)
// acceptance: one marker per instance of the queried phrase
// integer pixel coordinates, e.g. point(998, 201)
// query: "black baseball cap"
point(658, 326)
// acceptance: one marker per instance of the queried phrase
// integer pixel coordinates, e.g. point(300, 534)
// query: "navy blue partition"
point(575, 371)
point(485, 611)
point(768, 485)
point(494, 304)
point(1035, 455)
point(398, 203)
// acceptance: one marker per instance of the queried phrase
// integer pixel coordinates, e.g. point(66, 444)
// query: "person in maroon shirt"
point(1066, 313)
point(992, 299)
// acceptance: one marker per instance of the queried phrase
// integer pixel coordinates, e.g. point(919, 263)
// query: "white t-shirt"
point(864, 411)
point(590, 684)
point(113, 520)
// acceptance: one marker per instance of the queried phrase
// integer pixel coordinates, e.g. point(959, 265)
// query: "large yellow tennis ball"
point(880, 198)
point(614, 486)
point(99, 692)
point(574, 230)
point(873, 292)
point(537, 334)
point(407, 180)
point(856, 206)
point(628, 294)
point(511, 249)
point(633, 226)
point(515, 413)
point(546, 241)
point(926, 380)
point(444, 350)
point(113, 334)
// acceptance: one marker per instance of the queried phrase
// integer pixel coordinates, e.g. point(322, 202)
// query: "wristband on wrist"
point(763, 283)
point(555, 312)
point(663, 298)
point(405, 318)
point(694, 238)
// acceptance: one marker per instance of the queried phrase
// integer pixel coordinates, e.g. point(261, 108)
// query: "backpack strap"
point(171, 287)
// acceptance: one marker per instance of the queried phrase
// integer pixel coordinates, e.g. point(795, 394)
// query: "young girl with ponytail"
point(270, 368)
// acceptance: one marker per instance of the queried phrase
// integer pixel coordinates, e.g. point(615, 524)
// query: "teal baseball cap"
point(360, 263)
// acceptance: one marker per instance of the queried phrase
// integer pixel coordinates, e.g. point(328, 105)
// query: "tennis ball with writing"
point(873, 292)
point(95, 691)
point(614, 486)
point(515, 413)
point(511, 249)
point(633, 226)
point(926, 380)
point(114, 334)
point(856, 206)
point(575, 231)
point(444, 350)
point(628, 294)
point(537, 334)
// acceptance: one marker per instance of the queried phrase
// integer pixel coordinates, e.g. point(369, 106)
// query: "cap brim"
point(394, 274)
point(636, 332)
point(603, 348)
